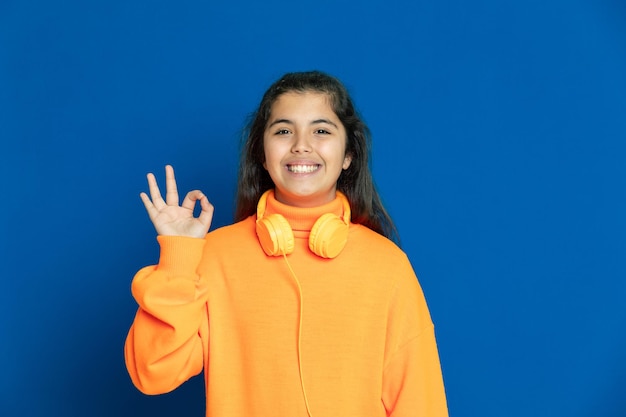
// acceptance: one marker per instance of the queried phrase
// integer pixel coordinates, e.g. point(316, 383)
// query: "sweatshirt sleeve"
point(163, 348)
point(413, 384)
point(412, 379)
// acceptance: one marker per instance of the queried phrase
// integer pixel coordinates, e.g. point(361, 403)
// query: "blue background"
point(499, 149)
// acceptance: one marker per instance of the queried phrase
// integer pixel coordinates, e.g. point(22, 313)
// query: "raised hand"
point(171, 219)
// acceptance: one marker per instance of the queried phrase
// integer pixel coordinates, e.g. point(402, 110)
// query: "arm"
point(412, 379)
point(163, 347)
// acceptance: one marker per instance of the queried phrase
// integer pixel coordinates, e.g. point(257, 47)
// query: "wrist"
point(180, 253)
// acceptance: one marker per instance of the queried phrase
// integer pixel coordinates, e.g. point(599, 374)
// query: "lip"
point(303, 162)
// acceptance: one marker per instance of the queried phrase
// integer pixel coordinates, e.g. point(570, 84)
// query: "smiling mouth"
point(302, 169)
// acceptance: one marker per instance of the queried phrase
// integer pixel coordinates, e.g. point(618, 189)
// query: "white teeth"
point(302, 169)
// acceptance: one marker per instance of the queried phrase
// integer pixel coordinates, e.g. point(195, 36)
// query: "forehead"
point(308, 102)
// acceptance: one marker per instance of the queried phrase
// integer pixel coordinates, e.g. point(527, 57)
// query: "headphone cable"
point(306, 401)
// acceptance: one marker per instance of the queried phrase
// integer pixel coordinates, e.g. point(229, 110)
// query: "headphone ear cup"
point(328, 236)
point(275, 235)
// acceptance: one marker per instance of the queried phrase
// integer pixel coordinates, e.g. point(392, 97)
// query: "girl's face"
point(305, 149)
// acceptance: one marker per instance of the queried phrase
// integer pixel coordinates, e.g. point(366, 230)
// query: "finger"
point(171, 191)
point(152, 211)
point(190, 199)
point(206, 215)
point(155, 193)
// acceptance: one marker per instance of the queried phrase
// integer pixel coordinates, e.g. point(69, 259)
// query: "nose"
point(301, 143)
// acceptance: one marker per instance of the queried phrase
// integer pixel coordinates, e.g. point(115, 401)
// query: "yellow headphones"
point(327, 238)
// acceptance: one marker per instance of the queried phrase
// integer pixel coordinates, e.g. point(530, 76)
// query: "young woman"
point(304, 306)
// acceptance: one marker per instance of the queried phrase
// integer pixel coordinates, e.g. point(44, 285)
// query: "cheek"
point(273, 152)
point(271, 158)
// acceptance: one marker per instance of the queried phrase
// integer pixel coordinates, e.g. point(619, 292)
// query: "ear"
point(347, 160)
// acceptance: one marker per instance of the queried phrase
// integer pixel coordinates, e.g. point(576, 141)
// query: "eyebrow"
point(314, 122)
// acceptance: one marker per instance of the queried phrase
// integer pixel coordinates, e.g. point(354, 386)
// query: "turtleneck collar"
point(302, 219)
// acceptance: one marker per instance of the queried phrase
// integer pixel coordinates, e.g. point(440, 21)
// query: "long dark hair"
point(356, 182)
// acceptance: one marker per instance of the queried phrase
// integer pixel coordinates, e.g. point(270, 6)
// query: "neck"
point(302, 218)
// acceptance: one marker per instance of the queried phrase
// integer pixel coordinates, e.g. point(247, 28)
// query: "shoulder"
point(374, 244)
point(381, 260)
point(379, 253)
point(237, 234)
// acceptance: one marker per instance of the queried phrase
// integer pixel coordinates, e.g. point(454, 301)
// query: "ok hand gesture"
point(171, 219)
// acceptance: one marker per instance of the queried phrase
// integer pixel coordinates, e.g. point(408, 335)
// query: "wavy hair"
point(356, 182)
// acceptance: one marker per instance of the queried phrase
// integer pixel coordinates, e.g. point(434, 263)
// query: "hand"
point(168, 217)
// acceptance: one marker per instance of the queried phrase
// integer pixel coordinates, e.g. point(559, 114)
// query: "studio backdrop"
point(499, 135)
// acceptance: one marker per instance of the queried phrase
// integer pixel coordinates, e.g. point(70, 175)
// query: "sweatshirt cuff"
point(180, 253)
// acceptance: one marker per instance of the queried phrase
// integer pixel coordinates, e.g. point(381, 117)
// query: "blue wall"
point(499, 132)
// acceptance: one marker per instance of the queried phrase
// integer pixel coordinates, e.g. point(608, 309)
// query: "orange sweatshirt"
point(349, 336)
